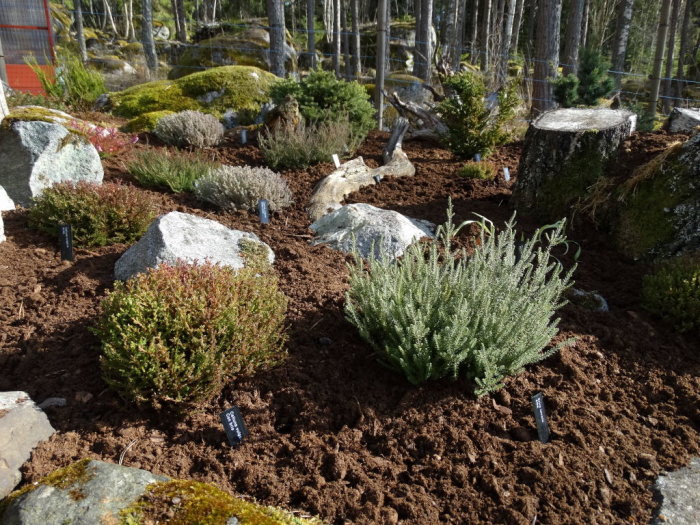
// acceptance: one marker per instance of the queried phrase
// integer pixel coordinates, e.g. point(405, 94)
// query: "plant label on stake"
point(377, 179)
point(506, 174)
point(336, 160)
point(235, 428)
point(244, 136)
point(264, 211)
point(65, 236)
point(519, 245)
point(477, 157)
point(540, 417)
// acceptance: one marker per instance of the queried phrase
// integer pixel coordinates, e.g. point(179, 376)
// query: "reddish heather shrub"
point(178, 334)
point(107, 141)
point(100, 214)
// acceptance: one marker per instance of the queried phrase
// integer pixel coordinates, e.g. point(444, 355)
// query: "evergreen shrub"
point(242, 187)
point(293, 147)
point(324, 98)
point(672, 292)
point(478, 170)
point(472, 126)
point(439, 313)
point(190, 129)
point(99, 214)
point(73, 83)
point(178, 334)
point(168, 171)
point(589, 85)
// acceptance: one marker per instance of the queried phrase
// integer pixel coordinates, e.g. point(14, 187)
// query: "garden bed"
point(334, 433)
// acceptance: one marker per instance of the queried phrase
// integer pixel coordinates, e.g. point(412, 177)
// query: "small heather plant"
point(179, 334)
point(107, 141)
point(478, 170)
point(100, 214)
point(242, 187)
point(168, 171)
point(672, 292)
point(190, 129)
point(438, 313)
point(304, 145)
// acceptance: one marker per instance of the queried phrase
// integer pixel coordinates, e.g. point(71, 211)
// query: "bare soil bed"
point(335, 434)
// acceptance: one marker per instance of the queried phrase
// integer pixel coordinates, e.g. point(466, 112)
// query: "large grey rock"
point(6, 203)
point(683, 120)
point(34, 155)
point(2, 230)
point(105, 490)
point(22, 426)
point(372, 230)
point(183, 237)
point(680, 496)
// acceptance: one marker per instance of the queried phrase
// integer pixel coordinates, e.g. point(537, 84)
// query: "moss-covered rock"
point(145, 122)
point(657, 212)
point(242, 89)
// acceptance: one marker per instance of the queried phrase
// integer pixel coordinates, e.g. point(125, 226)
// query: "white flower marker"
point(506, 174)
point(336, 160)
point(244, 136)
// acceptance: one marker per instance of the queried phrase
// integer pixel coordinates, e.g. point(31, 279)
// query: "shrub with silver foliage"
point(190, 128)
point(440, 313)
point(241, 187)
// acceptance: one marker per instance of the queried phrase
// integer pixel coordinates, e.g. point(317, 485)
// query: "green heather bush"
point(290, 147)
point(190, 129)
point(471, 126)
point(168, 171)
point(178, 334)
point(437, 313)
point(74, 83)
point(241, 187)
point(100, 214)
point(672, 292)
point(478, 170)
point(324, 98)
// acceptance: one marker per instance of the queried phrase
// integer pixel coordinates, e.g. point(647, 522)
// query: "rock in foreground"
point(187, 238)
point(680, 496)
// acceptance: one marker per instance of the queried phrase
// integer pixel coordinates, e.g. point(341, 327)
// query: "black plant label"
point(264, 211)
point(235, 428)
point(65, 237)
point(540, 417)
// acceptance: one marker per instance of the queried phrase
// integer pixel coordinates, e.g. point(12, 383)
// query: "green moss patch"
point(145, 122)
point(222, 50)
point(180, 502)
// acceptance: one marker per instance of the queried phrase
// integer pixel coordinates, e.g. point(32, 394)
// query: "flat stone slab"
point(680, 496)
point(683, 120)
point(372, 230)
point(22, 426)
point(182, 237)
point(573, 119)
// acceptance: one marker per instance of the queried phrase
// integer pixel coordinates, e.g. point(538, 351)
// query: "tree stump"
point(566, 151)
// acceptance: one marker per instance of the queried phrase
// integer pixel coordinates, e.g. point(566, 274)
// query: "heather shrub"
point(439, 313)
point(178, 334)
point(478, 170)
point(672, 292)
point(100, 214)
point(190, 129)
point(168, 171)
point(323, 98)
point(241, 187)
point(472, 125)
point(303, 145)
point(107, 141)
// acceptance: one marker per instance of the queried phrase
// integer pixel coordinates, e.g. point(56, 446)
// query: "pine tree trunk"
point(622, 33)
point(546, 54)
point(658, 59)
point(311, 31)
point(516, 27)
point(459, 44)
point(670, 49)
point(79, 30)
point(275, 15)
point(131, 37)
point(110, 18)
point(356, 50)
point(505, 40)
point(423, 56)
point(450, 33)
point(683, 51)
point(485, 40)
point(149, 45)
point(381, 65)
point(336, 37)
point(346, 39)
point(181, 33)
point(573, 37)
point(584, 24)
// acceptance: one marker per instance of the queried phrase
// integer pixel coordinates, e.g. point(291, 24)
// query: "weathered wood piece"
point(566, 151)
point(428, 125)
point(355, 174)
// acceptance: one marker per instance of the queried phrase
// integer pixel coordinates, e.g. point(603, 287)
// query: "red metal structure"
point(25, 31)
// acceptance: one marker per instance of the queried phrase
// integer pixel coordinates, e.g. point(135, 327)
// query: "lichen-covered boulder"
point(243, 89)
point(112, 64)
point(656, 213)
point(145, 122)
point(683, 120)
point(40, 113)
point(679, 493)
point(371, 230)
point(565, 152)
point(91, 492)
point(247, 48)
point(22, 426)
point(35, 155)
point(181, 237)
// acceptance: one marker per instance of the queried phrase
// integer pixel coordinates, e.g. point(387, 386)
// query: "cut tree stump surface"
point(584, 119)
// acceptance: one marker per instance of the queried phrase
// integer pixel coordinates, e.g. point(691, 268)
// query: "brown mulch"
point(335, 434)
